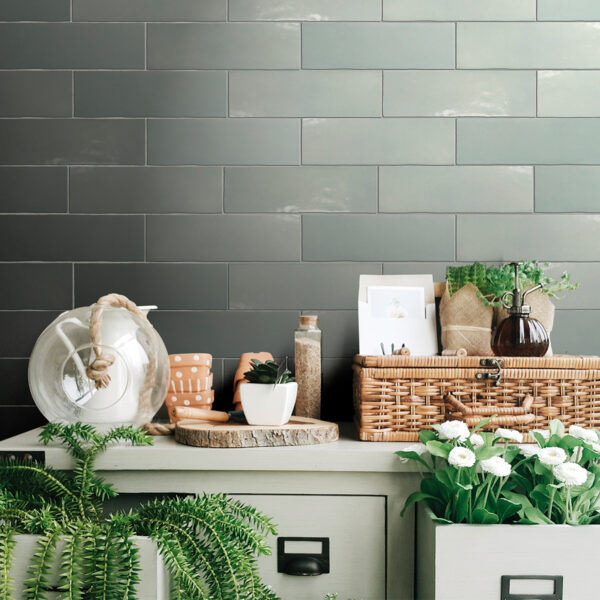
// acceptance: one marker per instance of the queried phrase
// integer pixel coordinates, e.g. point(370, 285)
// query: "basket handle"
point(505, 416)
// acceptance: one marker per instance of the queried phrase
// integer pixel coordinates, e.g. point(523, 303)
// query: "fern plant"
point(209, 543)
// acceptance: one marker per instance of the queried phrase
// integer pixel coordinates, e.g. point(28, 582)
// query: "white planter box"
point(268, 404)
point(154, 579)
point(467, 562)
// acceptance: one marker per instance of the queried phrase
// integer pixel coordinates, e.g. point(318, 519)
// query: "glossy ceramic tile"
point(437, 269)
point(528, 45)
point(149, 10)
point(33, 189)
point(378, 46)
point(569, 93)
point(20, 330)
point(458, 93)
point(300, 189)
point(227, 334)
point(205, 286)
point(224, 46)
point(304, 10)
point(316, 286)
point(71, 46)
point(377, 237)
point(571, 10)
point(35, 94)
point(223, 238)
point(375, 141)
point(567, 189)
point(14, 379)
point(456, 189)
point(528, 141)
point(63, 238)
point(459, 10)
point(588, 277)
point(544, 237)
point(35, 10)
point(23, 283)
point(305, 94)
point(567, 336)
point(223, 142)
point(67, 141)
point(146, 190)
point(150, 94)
point(341, 339)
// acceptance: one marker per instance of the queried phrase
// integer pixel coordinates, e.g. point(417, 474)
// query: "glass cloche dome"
point(102, 364)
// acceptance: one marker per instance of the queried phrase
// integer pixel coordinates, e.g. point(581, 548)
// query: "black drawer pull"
point(506, 580)
point(302, 564)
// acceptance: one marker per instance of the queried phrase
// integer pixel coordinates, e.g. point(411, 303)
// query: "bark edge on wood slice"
point(300, 431)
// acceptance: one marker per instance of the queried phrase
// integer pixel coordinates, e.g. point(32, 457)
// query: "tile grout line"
point(72, 285)
point(145, 238)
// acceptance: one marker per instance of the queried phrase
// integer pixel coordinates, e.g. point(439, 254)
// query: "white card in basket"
point(397, 309)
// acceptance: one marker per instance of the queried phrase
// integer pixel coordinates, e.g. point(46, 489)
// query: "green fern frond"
point(209, 543)
point(36, 587)
point(7, 544)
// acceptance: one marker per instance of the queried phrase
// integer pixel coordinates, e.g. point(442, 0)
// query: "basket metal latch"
point(495, 376)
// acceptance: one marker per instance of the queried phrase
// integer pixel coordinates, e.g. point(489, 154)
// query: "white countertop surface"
point(348, 454)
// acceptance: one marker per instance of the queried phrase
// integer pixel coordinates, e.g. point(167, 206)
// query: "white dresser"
point(343, 500)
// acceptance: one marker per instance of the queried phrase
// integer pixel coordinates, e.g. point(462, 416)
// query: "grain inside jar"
point(307, 360)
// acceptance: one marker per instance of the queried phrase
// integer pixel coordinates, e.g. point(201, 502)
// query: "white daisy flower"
point(477, 441)
point(552, 456)
point(461, 457)
point(529, 450)
point(543, 432)
point(571, 474)
point(509, 434)
point(453, 430)
point(419, 449)
point(496, 466)
point(587, 435)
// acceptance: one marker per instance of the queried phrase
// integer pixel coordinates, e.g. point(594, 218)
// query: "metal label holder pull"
point(506, 580)
point(302, 564)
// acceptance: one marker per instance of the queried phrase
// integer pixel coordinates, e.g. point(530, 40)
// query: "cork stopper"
point(308, 320)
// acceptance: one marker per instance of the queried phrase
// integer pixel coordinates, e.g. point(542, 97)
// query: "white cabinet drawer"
point(356, 529)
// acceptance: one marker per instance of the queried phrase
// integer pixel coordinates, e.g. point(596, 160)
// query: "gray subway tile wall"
point(239, 163)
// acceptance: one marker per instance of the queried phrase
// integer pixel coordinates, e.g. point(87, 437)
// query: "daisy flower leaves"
point(487, 478)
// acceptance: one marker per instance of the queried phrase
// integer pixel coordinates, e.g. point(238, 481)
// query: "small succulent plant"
point(268, 372)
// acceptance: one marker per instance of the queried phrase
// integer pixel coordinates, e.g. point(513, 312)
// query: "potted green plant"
point(490, 508)
point(471, 306)
point(56, 538)
point(269, 393)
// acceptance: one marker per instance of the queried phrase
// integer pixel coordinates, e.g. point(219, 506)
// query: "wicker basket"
point(397, 396)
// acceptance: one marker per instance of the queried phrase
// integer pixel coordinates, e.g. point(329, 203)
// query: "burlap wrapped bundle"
point(466, 322)
point(542, 310)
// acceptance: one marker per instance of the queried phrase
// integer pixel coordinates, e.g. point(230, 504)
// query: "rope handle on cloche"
point(97, 370)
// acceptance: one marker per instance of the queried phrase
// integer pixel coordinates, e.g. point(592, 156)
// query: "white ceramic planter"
point(467, 562)
point(154, 578)
point(268, 404)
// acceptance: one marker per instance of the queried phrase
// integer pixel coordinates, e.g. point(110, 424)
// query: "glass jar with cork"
point(307, 360)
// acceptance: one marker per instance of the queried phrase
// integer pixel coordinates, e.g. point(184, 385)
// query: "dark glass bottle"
point(519, 334)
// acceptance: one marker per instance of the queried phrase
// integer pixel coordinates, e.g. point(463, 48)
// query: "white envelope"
point(405, 315)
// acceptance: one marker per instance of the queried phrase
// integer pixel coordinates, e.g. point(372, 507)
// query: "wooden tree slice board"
point(299, 431)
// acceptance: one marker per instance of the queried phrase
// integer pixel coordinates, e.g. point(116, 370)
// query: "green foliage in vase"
point(493, 282)
point(485, 478)
point(267, 372)
point(209, 543)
